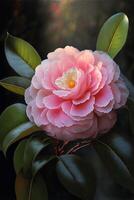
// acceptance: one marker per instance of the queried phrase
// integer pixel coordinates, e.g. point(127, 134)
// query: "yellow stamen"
point(71, 84)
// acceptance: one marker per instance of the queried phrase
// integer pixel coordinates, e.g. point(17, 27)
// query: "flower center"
point(68, 79)
point(71, 84)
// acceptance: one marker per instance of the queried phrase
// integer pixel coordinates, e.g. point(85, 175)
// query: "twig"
point(64, 144)
point(78, 147)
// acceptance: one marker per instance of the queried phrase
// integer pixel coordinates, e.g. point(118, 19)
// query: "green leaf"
point(116, 151)
point(15, 84)
point(21, 56)
point(40, 162)
point(106, 187)
point(19, 157)
point(113, 34)
point(18, 133)
point(28, 158)
point(76, 176)
point(10, 118)
point(33, 147)
point(31, 189)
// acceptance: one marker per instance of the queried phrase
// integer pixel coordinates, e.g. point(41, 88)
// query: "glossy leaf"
point(15, 84)
point(10, 118)
point(18, 133)
point(40, 162)
point(31, 189)
point(19, 157)
point(33, 147)
point(117, 152)
point(76, 176)
point(106, 187)
point(21, 56)
point(113, 34)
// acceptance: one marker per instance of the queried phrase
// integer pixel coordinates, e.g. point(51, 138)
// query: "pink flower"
point(74, 94)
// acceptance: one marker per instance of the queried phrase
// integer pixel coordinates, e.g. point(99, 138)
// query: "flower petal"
point(104, 97)
point(85, 60)
point(84, 109)
point(52, 101)
point(106, 122)
point(82, 99)
point(59, 118)
point(105, 109)
point(39, 98)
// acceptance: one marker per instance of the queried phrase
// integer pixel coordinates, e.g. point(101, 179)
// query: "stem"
point(64, 144)
point(60, 148)
point(56, 143)
point(82, 147)
point(78, 147)
point(72, 149)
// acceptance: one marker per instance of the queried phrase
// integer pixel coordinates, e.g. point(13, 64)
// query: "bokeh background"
point(48, 24)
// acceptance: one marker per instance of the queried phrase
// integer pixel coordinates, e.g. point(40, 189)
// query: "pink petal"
point(117, 94)
point(108, 64)
point(62, 93)
point(28, 97)
point(39, 98)
point(59, 118)
point(52, 101)
point(83, 109)
point(91, 132)
point(55, 54)
point(117, 72)
point(104, 97)
point(43, 118)
point(71, 50)
point(36, 112)
point(102, 82)
point(82, 99)
point(66, 107)
point(35, 82)
point(96, 78)
point(29, 111)
point(62, 52)
point(33, 91)
point(106, 122)
point(85, 60)
point(124, 93)
point(105, 109)
point(46, 81)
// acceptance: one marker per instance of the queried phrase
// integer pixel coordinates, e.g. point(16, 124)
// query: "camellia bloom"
point(74, 94)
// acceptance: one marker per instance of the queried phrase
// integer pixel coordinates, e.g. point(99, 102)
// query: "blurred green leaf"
point(19, 156)
point(15, 84)
point(18, 133)
point(33, 147)
point(113, 34)
point(10, 118)
point(21, 56)
point(76, 176)
point(34, 189)
point(116, 151)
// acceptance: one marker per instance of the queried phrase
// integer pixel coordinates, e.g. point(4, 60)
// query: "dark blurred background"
point(48, 24)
